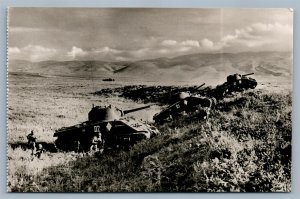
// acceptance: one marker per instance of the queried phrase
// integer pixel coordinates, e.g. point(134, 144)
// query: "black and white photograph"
point(149, 99)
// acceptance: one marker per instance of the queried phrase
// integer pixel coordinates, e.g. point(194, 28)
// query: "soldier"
point(31, 140)
point(93, 146)
point(203, 113)
point(100, 143)
point(96, 143)
point(39, 150)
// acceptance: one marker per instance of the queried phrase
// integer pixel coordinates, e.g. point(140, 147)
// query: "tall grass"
point(245, 145)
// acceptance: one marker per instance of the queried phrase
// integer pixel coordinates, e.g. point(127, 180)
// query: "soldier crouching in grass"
point(39, 150)
point(97, 144)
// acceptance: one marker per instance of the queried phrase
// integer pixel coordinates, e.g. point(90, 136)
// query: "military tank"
point(109, 123)
point(187, 103)
point(108, 80)
point(235, 83)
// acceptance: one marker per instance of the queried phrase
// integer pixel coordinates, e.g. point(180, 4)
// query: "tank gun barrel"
point(195, 89)
point(135, 109)
point(201, 86)
point(248, 74)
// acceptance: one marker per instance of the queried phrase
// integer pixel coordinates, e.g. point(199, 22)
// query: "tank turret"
point(110, 113)
point(183, 95)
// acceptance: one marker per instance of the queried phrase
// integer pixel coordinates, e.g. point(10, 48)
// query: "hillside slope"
point(244, 146)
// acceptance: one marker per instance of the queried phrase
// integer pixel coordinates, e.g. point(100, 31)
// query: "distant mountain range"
point(192, 67)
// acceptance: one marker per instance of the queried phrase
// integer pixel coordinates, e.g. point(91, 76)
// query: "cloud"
point(32, 53)
point(192, 43)
point(168, 42)
point(256, 37)
point(13, 50)
point(104, 53)
point(184, 49)
point(206, 43)
point(259, 37)
point(172, 48)
point(76, 52)
point(107, 50)
point(173, 43)
point(37, 48)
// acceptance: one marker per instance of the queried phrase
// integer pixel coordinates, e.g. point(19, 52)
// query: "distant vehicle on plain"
point(108, 80)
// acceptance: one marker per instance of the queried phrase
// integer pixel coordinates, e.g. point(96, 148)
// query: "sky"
point(122, 34)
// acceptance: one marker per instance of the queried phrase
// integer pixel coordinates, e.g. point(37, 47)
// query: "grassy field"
point(245, 145)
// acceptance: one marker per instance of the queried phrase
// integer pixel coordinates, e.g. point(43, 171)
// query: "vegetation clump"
point(152, 94)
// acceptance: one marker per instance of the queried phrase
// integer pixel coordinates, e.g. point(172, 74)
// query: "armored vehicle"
point(235, 83)
point(242, 82)
point(186, 104)
point(109, 125)
point(108, 80)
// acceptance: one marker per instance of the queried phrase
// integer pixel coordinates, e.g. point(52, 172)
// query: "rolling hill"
point(192, 67)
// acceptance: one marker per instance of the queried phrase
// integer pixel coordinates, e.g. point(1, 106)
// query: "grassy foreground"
point(245, 145)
